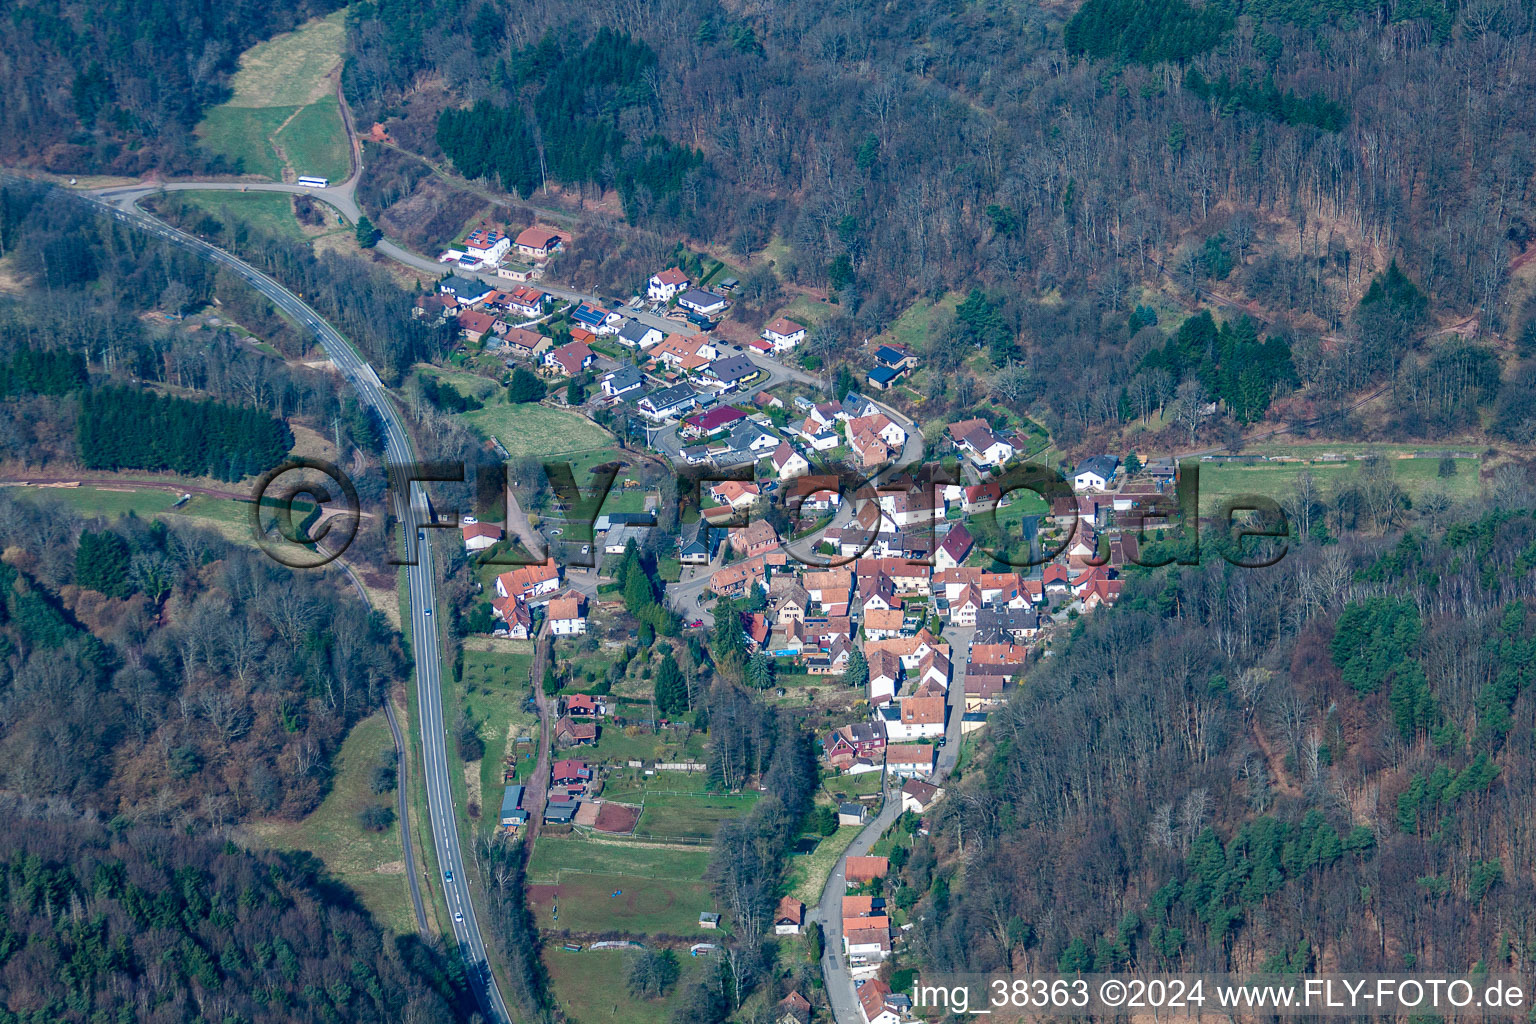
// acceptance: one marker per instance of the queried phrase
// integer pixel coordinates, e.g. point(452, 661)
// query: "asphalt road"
point(399, 452)
point(841, 993)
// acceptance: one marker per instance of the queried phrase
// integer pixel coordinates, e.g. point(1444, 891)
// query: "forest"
point(1058, 162)
point(122, 921)
point(135, 82)
point(119, 428)
point(1324, 762)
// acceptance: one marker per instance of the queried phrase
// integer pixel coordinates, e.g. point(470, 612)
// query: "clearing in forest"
point(284, 114)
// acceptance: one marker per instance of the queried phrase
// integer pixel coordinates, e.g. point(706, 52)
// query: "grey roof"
point(745, 432)
point(626, 376)
point(855, 403)
point(634, 331)
point(699, 297)
point(1102, 465)
point(511, 799)
point(851, 808)
point(457, 284)
point(666, 398)
point(732, 368)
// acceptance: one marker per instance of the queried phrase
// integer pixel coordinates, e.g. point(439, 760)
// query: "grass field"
point(231, 516)
point(622, 903)
point(808, 874)
point(493, 690)
point(315, 141)
point(370, 863)
point(272, 212)
point(553, 854)
point(613, 747)
point(1417, 476)
point(284, 77)
point(242, 135)
point(532, 429)
point(695, 815)
point(589, 987)
point(911, 327)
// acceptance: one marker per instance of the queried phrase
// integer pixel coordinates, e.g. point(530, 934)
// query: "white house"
point(783, 334)
point(872, 1003)
point(565, 616)
point(702, 302)
point(909, 760)
point(914, 718)
point(789, 463)
point(488, 245)
point(661, 287)
point(635, 334)
point(1096, 473)
point(477, 535)
point(623, 381)
point(665, 403)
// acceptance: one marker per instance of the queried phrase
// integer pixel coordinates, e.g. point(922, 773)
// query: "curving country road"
point(410, 507)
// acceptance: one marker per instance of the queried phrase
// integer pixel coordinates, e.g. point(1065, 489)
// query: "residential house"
point(789, 601)
point(907, 508)
point(984, 448)
point(684, 353)
point(788, 464)
point(700, 544)
point(436, 308)
point(663, 286)
point(527, 301)
point(918, 718)
point(570, 772)
point(1056, 579)
point(529, 581)
point(566, 617)
point(709, 421)
point(966, 606)
point(918, 796)
point(789, 918)
point(735, 580)
point(754, 439)
point(571, 732)
point(856, 740)
point(873, 994)
point(731, 372)
point(620, 382)
point(1016, 623)
point(882, 426)
point(793, 1009)
point(570, 358)
point(636, 335)
point(909, 760)
point(756, 538)
point(584, 705)
point(538, 242)
point(855, 405)
point(488, 245)
point(596, 319)
point(667, 403)
point(979, 498)
point(831, 589)
point(819, 436)
point(702, 302)
point(477, 535)
point(514, 611)
point(475, 324)
point(467, 291)
point(512, 813)
point(526, 343)
point(872, 451)
point(897, 357)
point(983, 690)
point(859, 870)
point(738, 494)
point(884, 675)
point(882, 623)
point(1096, 473)
point(954, 548)
point(783, 334)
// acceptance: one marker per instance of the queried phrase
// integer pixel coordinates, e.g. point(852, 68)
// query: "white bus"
point(316, 182)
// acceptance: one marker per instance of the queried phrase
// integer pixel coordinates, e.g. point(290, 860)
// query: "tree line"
point(121, 428)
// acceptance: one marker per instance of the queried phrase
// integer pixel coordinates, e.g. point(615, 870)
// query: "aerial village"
point(902, 630)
